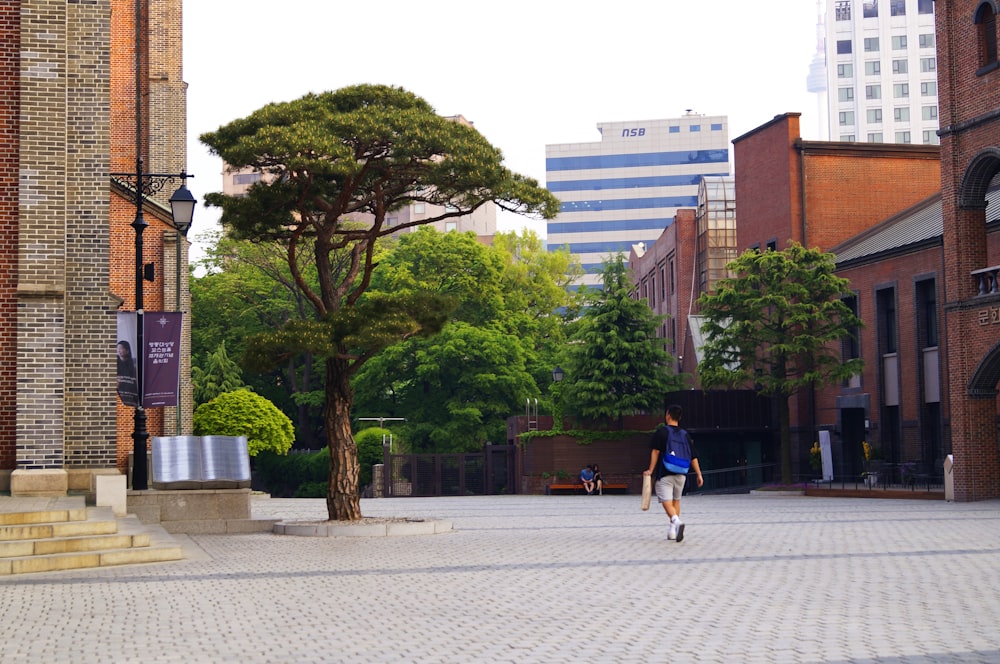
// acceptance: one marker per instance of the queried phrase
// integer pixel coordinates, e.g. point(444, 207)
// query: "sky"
point(526, 73)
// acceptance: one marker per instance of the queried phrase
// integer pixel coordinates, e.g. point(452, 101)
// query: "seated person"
point(587, 477)
point(598, 480)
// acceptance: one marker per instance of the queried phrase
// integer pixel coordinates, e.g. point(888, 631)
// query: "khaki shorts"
point(670, 487)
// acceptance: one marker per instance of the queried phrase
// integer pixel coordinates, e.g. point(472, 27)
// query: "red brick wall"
point(848, 187)
point(10, 46)
point(969, 102)
point(901, 273)
point(767, 178)
point(848, 193)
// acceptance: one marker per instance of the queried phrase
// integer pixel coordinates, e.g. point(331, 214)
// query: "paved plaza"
point(545, 579)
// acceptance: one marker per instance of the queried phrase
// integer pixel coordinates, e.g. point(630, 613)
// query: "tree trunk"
point(342, 499)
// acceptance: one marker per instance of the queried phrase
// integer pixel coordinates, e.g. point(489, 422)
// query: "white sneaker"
point(672, 533)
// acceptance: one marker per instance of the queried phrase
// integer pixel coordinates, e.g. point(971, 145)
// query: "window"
point(716, 126)
point(843, 10)
point(931, 137)
point(925, 6)
point(928, 89)
point(419, 207)
point(927, 314)
point(843, 46)
point(873, 92)
point(901, 114)
point(927, 41)
point(870, 8)
point(928, 64)
point(901, 90)
point(873, 67)
point(846, 119)
point(675, 129)
point(246, 178)
point(450, 226)
point(874, 116)
point(847, 138)
point(845, 70)
point(694, 128)
point(928, 112)
point(897, 7)
point(902, 137)
point(875, 137)
point(845, 94)
point(899, 67)
point(899, 43)
point(871, 44)
point(986, 19)
point(885, 301)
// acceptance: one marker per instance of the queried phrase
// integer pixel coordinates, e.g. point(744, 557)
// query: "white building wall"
point(627, 187)
point(901, 69)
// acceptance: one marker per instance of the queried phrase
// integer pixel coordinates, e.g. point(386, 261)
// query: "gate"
point(489, 472)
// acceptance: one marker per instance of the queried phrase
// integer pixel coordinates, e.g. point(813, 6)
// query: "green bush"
point(369, 442)
point(286, 476)
point(245, 413)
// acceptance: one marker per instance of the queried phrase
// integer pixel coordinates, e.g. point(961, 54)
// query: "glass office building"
point(626, 188)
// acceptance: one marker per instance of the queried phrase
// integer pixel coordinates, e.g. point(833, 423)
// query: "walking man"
point(674, 447)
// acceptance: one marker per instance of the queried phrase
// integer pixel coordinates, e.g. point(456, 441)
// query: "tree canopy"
point(777, 325)
point(334, 166)
point(616, 364)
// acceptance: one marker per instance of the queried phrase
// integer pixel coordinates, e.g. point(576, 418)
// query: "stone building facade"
point(67, 264)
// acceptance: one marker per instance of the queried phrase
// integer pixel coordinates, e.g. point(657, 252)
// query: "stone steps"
point(78, 537)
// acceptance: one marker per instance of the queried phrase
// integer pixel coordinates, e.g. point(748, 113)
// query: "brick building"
point(969, 94)
point(67, 262)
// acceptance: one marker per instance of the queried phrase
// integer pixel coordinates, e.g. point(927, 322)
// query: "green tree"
point(616, 364)
point(457, 388)
point(244, 413)
point(218, 375)
point(334, 166)
point(246, 288)
point(777, 324)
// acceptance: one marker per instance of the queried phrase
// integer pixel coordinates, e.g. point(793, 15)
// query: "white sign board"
point(826, 455)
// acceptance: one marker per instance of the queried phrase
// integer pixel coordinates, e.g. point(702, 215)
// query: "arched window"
point(986, 19)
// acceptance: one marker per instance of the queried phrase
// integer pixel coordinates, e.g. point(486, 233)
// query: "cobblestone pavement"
point(546, 578)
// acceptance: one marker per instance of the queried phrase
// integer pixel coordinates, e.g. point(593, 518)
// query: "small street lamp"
point(557, 374)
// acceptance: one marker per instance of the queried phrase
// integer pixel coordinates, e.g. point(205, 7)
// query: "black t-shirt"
point(659, 442)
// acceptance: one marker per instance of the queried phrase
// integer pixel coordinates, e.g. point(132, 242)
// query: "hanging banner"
point(161, 369)
point(128, 390)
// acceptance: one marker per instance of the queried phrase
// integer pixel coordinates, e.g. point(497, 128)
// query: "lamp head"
point(182, 209)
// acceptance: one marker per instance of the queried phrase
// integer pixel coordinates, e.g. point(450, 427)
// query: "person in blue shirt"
point(587, 477)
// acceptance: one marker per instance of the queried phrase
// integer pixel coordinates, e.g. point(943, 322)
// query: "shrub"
point(245, 413)
point(293, 475)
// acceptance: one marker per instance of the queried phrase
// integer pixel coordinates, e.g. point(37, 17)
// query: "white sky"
point(527, 73)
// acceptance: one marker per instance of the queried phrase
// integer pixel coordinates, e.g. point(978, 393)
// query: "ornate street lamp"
point(557, 374)
point(182, 205)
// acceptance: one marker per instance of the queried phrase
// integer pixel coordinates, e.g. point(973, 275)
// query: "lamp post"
point(182, 210)
point(557, 374)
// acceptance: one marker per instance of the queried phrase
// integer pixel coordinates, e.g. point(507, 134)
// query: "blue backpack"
point(677, 458)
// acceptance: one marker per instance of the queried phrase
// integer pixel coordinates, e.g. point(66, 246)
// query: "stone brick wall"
point(10, 46)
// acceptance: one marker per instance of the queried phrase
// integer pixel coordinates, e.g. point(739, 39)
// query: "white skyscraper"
point(882, 71)
point(626, 188)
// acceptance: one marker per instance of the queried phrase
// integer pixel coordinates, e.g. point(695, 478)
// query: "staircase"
point(46, 535)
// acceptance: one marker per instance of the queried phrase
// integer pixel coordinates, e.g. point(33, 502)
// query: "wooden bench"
point(577, 487)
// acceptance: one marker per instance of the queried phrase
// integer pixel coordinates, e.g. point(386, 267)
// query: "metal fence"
point(488, 472)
